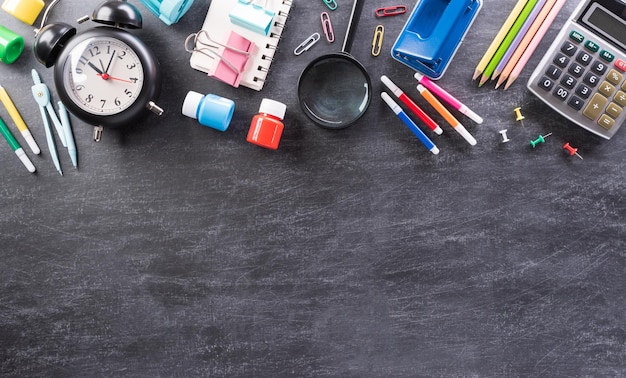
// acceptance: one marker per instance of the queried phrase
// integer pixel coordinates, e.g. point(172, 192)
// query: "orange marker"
point(432, 100)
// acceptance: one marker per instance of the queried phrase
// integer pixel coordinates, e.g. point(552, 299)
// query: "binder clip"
point(232, 59)
point(433, 33)
point(252, 16)
point(168, 11)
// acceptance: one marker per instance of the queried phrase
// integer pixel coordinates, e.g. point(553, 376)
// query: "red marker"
point(412, 105)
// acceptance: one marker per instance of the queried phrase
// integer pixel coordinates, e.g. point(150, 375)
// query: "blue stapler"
point(433, 33)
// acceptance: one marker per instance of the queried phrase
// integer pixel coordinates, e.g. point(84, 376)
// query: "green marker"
point(504, 46)
point(15, 146)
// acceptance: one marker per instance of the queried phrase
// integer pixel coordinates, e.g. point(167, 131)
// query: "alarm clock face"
point(103, 76)
point(107, 77)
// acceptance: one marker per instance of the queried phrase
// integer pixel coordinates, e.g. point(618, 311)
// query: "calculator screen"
point(607, 23)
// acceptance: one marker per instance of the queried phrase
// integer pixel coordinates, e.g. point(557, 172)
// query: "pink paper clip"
point(391, 11)
point(328, 27)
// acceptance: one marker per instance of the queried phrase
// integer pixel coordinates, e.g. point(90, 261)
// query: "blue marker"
point(409, 122)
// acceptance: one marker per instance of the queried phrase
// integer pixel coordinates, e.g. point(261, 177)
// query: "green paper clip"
point(331, 4)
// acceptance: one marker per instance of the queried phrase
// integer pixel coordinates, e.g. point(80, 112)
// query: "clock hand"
point(95, 68)
point(106, 77)
point(110, 61)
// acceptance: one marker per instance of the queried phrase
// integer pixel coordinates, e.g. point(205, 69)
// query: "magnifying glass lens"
point(334, 91)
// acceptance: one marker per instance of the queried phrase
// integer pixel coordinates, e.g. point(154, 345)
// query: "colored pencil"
point(498, 38)
point(530, 35)
point(534, 43)
point(507, 41)
point(518, 38)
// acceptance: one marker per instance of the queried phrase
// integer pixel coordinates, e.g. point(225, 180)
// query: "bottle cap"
point(275, 108)
point(11, 45)
point(190, 105)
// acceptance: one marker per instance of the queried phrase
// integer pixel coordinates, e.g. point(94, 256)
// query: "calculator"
point(583, 74)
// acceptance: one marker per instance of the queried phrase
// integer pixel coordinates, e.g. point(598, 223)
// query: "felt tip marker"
point(432, 100)
point(411, 125)
point(406, 100)
point(15, 146)
point(19, 121)
point(447, 97)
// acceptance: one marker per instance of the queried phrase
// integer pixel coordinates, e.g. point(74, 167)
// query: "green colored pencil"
point(510, 36)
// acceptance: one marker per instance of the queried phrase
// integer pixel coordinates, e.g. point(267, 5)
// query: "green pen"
point(493, 63)
point(15, 146)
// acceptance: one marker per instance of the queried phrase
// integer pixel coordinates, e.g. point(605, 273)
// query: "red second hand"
point(107, 77)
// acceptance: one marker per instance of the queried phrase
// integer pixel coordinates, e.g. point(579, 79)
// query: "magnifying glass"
point(334, 90)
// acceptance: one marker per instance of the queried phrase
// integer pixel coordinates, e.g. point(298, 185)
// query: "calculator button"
point(614, 77)
point(607, 56)
point(606, 89)
point(583, 58)
point(606, 121)
point(576, 69)
point(594, 108)
point(576, 103)
point(591, 79)
point(576, 36)
point(545, 83)
point(560, 93)
point(592, 46)
point(569, 49)
point(620, 98)
point(583, 91)
point(599, 67)
point(624, 86)
point(614, 110)
point(553, 72)
point(620, 64)
point(561, 60)
point(568, 82)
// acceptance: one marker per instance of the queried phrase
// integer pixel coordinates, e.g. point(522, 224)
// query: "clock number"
point(117, 101)
point(103, 103)
point(80, 87)
point(131, 66)
point(128, 93)
point(83, 60)
point(78, 70)
point(89, 98)
point(134, 80)
point(94, 51)
point(122, 54)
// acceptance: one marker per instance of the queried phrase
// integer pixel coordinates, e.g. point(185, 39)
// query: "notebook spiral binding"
point(219, 30)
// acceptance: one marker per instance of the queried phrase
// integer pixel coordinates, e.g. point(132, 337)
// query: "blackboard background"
point(176, 250)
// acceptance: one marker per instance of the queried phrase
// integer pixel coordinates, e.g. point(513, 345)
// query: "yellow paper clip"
point(307, 44)
point(377, 42)
point(328, 27)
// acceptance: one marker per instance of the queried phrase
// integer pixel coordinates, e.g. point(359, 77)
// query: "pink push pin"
point(572, 151)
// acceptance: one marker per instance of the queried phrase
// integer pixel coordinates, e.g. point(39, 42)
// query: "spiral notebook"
point(233, 53)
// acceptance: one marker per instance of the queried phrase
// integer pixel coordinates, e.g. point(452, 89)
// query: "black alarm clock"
point(105, 75)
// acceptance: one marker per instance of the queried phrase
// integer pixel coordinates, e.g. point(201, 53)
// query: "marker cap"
point(11, 45)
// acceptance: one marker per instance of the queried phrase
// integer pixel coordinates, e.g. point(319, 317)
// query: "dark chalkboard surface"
point(176, 250)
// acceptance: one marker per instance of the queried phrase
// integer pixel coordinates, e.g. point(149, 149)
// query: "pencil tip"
point(476, 74)
point(483, 80)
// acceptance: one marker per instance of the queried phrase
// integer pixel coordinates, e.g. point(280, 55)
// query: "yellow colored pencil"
point(19, 122)
point(499, 38)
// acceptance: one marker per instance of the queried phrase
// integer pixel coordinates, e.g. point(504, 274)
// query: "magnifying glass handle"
point(357, 7)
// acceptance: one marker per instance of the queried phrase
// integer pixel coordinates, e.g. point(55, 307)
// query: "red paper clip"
point(391, 11)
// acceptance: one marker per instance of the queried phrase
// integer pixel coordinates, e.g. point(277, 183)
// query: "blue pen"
point(409, 122)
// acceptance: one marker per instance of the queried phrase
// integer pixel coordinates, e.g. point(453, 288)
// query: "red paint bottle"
point(267, 127)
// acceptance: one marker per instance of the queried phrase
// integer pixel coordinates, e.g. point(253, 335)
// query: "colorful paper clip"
point(331, 4)
point(252, 16)
point(377, 42)
point(233, 58)
point(391, 11)
point(307, 44)
point(328, 27)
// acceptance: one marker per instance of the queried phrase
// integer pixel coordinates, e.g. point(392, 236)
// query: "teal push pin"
point(541, 139)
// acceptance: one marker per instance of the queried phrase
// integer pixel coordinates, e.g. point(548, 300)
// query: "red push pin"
point(572, 151)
